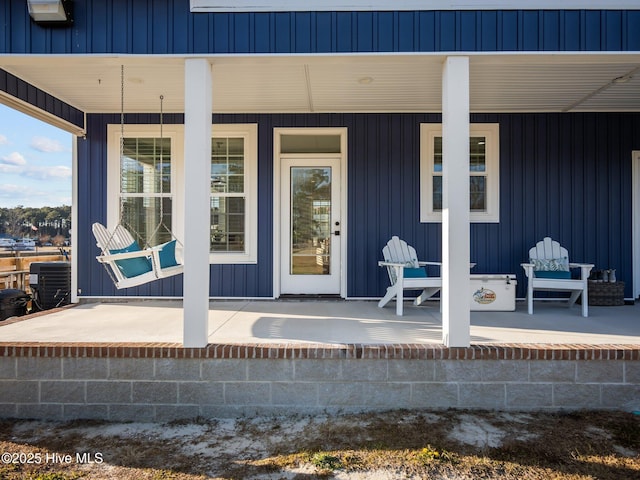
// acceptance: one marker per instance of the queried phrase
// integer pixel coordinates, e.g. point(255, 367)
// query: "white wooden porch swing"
point(127, 264)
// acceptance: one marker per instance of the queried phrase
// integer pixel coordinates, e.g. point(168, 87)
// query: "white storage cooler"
point(493, 292)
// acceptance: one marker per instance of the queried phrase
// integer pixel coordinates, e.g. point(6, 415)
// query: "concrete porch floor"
point(323, 321)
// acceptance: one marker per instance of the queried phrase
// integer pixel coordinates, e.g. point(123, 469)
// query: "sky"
point(35, 162)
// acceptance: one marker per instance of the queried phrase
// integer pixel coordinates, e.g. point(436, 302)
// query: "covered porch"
point(456, 85)
point(327, 322)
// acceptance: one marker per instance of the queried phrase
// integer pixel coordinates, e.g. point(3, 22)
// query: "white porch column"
point(456, 322)
point(74, 219)
point(197, 173)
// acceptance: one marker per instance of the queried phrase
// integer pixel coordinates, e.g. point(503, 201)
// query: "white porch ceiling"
point(349, 83)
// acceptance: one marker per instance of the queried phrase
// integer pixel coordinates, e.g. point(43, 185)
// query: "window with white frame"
point(484, 168)
point(147, 181)
point(141, 178)
point(234, 193)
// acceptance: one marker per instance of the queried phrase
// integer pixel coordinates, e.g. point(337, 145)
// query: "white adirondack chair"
point(122, 276)
point(406, 273)
point(548, 269)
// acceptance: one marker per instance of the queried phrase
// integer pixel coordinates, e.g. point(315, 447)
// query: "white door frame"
point(277, 207)
point(635, 189)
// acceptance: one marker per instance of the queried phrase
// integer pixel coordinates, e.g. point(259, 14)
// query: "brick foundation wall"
point(163, 382)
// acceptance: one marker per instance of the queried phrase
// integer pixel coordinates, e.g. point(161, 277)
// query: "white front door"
point(310, 253)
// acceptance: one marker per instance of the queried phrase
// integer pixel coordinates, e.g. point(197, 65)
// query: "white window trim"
point(176, 133)
point(428, 132)
point(249, 131)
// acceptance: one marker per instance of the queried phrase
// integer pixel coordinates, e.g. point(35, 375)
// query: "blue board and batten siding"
point(167, 27)
point(563, 175)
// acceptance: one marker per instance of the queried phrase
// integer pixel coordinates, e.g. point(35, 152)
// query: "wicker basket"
point(606, 294)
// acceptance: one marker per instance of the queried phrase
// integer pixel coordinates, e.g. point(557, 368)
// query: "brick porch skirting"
point(163, 382)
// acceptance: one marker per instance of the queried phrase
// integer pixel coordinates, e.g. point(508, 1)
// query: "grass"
point(401, 444)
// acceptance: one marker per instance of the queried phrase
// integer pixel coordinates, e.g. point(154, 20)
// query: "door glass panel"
point(310, 249)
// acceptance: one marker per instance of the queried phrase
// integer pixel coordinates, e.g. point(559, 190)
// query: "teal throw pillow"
point(132, 267)
point(168, 255)
point(551, 268)
point(551, 264)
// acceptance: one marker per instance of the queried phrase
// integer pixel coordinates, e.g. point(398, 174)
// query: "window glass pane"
point(477, 163)
point(478, 157)
point(141, 216)
point(227, 194)
point(145, 163)
point(437, 193)
point(227, 224)
point(236, 146)
point(310, 143)
point(236, 165)
point(478, 194)
point(236, 184)
point(437, 154)
point(227, 165)
point(477, 154)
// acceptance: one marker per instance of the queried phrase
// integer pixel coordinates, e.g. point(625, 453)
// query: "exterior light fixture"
point(51, 13)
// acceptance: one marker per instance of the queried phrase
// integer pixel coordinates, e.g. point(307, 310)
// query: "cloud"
point(48, 173)
point(14, 158)
point(7, 189)
point(3, 140)
point(16, 164)
point(12, 195)
point(47, 145)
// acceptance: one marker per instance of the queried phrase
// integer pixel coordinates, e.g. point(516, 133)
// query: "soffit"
point(341, 83)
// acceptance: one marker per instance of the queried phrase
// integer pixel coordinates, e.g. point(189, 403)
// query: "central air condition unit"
point(50, 284)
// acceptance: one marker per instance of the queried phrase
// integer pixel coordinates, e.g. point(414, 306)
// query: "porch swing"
point(127, 264)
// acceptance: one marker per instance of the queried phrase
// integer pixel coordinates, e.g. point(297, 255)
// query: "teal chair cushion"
point(415, 272)
point(550, 274)
point(132, 267)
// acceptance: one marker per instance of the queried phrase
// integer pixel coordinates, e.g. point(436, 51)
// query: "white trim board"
point(203, 6)
point(635, 188)
point(35, 112)
point(277, 185)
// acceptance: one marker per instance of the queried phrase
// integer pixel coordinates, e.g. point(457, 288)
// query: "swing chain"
point(161, 160)
point(120, 200)
point(149, 241)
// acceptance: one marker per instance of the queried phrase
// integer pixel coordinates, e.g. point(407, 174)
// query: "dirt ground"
point(449, 444)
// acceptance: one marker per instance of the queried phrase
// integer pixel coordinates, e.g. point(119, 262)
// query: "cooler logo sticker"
point(484, 296)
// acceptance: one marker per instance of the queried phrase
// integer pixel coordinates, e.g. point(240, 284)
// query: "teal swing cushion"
point(168, 255)
point(132, 267)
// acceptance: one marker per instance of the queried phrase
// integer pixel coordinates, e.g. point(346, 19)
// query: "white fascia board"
point(42, 115)
point(203, 6)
